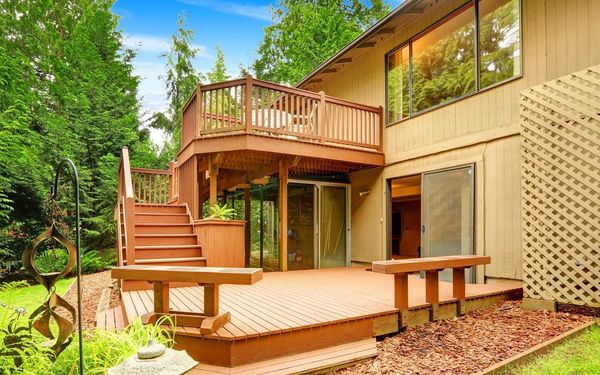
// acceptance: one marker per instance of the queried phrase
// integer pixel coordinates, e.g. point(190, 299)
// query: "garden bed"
point(92, 287)
point(468, 344)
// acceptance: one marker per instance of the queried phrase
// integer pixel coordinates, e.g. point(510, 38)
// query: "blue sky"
point(235, 26)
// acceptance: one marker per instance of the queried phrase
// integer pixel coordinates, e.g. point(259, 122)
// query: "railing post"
point(248, 104)
point(171, 180)
point(128, 208)
point(380, 148)
point(322, 117)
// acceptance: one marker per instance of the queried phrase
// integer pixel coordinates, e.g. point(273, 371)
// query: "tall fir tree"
point(218, 73)
point(181, 79)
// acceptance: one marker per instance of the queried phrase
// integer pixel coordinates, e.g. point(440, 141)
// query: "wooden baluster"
point(248, 104)
point(280, 107)
point(235, 101)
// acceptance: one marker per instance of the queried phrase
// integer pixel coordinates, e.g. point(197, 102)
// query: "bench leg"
point(432, 293)
point(161, 297)
point(459, 289)
point(401, 297)
point(211, 299)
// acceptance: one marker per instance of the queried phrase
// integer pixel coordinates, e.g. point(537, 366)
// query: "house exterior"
point(410, 142)
point(478, 127)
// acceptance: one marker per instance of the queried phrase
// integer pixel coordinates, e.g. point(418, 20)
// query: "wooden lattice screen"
point(560, 178)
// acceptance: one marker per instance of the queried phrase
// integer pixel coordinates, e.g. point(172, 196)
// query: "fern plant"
point(223, 212)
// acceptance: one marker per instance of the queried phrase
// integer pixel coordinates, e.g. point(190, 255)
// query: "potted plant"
point(222, 238)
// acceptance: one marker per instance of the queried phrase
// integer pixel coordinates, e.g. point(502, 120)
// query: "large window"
point(473, 48)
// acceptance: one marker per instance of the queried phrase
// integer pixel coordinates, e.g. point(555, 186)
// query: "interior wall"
point(410, 223)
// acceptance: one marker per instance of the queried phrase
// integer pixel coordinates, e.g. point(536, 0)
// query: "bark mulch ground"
point(92, 287)
point(468, 344)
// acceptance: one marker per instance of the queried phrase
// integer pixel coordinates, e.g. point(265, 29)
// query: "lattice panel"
point(560, 178)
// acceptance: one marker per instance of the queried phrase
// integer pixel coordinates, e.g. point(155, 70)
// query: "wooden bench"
point(401, 268)
point(208, 277)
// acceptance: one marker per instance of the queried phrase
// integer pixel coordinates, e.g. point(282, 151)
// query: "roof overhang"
point(379, 31)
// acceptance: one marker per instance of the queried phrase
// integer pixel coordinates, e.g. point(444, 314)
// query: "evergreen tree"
point(218, 72)
point(181, 78)
point(67, 89)
point(306, 33)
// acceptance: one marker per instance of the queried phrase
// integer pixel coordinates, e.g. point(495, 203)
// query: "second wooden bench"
point(431, 266)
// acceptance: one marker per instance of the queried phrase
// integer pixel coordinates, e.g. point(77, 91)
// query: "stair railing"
point(125, 210)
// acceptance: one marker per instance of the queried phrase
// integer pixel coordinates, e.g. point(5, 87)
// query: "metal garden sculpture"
point(43, 315)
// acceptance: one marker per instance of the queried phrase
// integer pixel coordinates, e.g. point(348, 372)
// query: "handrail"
point(126, 200)
point(253, 106)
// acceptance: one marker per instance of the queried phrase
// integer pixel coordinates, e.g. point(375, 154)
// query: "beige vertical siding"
point(558, 37)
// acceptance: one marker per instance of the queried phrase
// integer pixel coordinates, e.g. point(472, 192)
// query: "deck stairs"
point(164, 235)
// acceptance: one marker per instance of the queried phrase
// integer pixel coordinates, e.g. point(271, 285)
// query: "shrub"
point(221, 212)
point(102, 349)
point(91, 261)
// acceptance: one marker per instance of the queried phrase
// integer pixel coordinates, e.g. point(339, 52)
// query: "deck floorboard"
point(287, 301)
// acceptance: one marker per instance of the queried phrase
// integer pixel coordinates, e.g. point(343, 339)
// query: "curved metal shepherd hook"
point(75, 181)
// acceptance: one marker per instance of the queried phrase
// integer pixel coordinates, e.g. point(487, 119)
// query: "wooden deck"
point(300, 311)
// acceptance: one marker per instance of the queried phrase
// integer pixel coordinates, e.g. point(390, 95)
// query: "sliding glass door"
point(333, 223)
point(317, 225)
point(447, 214)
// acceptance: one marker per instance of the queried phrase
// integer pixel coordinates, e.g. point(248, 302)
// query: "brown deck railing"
point(125, 212)
point(253, 106)
point(155, 186)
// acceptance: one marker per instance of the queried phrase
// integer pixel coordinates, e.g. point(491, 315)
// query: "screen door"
point(447, 215)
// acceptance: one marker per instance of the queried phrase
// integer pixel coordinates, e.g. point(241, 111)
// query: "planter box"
point(222, 242)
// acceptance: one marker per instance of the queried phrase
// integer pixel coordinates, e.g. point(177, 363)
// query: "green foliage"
point(218, 72)
point(67, 89)
point(181, 78)
point(22, 352)
point(92, 261)
point(223, 212)
point(306, 33)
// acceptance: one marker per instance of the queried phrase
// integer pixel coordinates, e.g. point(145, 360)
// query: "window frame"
point(409, 42)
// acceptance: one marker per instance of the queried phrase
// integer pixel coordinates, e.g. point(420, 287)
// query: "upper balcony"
point(266, 118)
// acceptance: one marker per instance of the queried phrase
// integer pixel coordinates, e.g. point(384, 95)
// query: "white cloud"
point(261, 12)
point(156, 44)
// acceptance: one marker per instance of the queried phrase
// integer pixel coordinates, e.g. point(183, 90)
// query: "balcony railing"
point(251, 106)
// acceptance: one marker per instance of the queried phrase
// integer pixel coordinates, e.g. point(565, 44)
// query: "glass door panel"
point(301, 226)
point(264, 227)
point(447, 215)
point(332, 248)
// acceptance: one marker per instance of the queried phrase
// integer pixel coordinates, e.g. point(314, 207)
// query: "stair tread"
point(159, 205)
point(160, 214)
point(151, 247)
point(165, 235)
point(168, 260)
point(163, 224)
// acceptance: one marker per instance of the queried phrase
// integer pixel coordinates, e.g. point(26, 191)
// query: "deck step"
point(162, 239)
point(183, 261)
point(160, 208)
point(316, 361)
point(167, 251)
point(161, 218)
point(111, 319)
point(148, 228)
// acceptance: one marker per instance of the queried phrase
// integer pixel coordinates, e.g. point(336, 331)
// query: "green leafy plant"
point(223, 212)
point(22, 352)
point(91, 261)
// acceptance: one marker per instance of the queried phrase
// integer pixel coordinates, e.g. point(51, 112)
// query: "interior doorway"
point(406, 217)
